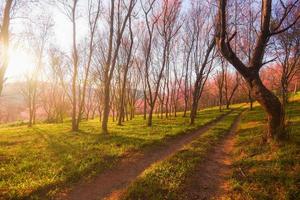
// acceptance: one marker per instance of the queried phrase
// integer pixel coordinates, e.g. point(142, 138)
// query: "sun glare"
point(20, 64)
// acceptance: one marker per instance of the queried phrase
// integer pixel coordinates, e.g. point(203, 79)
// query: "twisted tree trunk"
point(271, 105)
point(250, 72)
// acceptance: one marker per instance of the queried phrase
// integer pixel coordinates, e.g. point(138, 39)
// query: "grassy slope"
point(164, 180)
point(50, 156)
point(266, 171)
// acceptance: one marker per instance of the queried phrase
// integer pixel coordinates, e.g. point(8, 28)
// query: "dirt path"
point(109, 184)
point(209, 180)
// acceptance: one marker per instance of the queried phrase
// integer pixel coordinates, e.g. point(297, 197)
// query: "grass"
point(48, 157)
point(266, 171)
point(166, 179)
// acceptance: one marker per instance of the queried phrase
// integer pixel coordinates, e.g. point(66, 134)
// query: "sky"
point(22, 62)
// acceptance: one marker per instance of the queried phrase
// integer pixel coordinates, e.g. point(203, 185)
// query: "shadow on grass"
point(75, 155)
point(96, 146)
point(266, 171)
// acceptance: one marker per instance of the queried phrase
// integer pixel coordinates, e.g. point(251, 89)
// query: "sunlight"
point(149, 99)
point(21, 63)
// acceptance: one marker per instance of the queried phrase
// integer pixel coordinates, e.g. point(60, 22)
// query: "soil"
point(210, 180)
point(111, 183)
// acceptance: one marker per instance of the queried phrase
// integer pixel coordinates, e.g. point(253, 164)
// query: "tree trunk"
point(250, 99)
point(4, 40)
point(30, 113)
point(220, 103)
point(126, 113)
point(228, 100)
point(194, 111)
point(106, 108)
point(175, 110)
point(271, 105)
point(227, 104)
point(145, 106)
point(75, 70)
point(113, 115)
point(34, 105)
point(150, 116)
point(93, 113)
point(87, 115)
point(122, 101)
point(284, 92)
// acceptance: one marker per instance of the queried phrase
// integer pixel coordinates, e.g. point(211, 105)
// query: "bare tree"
point(113, 50)
point(72, 16)
point(167, 29)
point(189, 41)
point(53, 96)
point(250, 71)
point(70, 10)
point(147, 46)
point(132, 92)
point(288, 51)
point(203, 53)
point(38, 41)
point(79, 87)
point(128, 48)
point(93, 17)
point(219, 79)
point(176, 85)
point(4, 41)
point(230, 87)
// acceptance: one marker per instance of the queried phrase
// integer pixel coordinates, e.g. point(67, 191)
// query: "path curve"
point(209, 179)
point(110, 183)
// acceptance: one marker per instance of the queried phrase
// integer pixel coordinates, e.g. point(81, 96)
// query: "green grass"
point(166, 179)
point(48, 157)
point(267, 171)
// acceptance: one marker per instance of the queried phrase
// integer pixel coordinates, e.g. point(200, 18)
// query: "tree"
point(4, 41)
point(167, 28)
point(250, 71)
point(115, 37)
point(70, 10)
point(201, 78)
point(230, 87)
point(203, 54)
point(53, 96)
point(72, 17)
point(188, 41)
point(219, 79)
point(38, 42)
point(93, 17)
point(176, 85)
point(287, 46)
point(29, 92)
point(128, 48)
point(147, 46)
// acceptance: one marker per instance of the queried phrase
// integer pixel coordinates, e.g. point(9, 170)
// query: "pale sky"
point(22, 61)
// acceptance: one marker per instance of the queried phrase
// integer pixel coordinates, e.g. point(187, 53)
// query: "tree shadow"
point(60, 149)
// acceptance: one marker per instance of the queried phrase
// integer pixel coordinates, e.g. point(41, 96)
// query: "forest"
point(149, 99)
